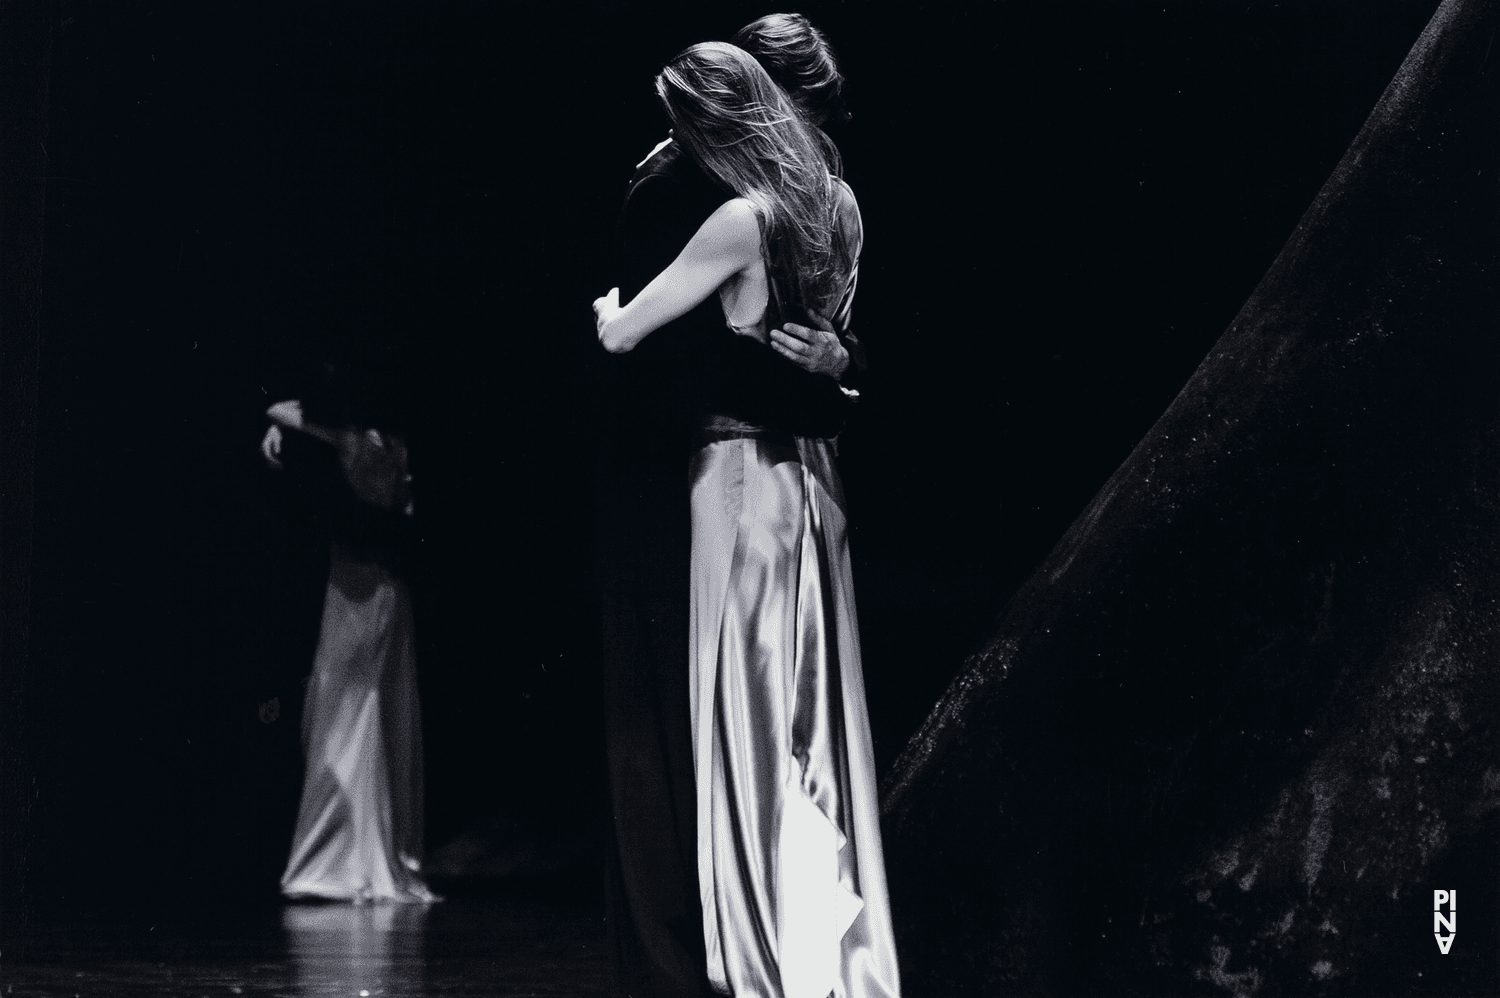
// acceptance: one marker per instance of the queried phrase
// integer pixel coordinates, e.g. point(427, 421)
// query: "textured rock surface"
point(1243, 720)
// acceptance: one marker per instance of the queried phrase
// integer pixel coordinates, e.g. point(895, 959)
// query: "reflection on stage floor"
point(495, 947)
point(367, 949)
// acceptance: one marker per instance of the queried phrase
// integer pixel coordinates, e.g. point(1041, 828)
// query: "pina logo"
point(1441, 921)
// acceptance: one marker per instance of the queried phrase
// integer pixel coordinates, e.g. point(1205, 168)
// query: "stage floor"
point(495, 947)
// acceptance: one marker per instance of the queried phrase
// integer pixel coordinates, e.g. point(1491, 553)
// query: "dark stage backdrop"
point(1065, 206)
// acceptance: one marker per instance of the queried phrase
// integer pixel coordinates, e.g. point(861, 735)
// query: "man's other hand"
point(270, 447)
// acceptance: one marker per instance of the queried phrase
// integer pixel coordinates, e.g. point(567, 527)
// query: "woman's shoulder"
point(734, 223)
point(736, 213)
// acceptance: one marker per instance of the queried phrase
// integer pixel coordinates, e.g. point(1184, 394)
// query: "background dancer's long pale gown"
point(359, 824)
point(791, 872)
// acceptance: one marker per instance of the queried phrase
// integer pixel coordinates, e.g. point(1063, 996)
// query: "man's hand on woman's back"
point(815, 349)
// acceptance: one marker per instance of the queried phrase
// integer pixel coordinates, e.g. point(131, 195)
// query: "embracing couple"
point(744, 855)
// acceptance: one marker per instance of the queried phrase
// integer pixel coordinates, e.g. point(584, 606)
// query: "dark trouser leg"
point(656, 930)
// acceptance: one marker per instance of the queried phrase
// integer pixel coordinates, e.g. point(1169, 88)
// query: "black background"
point(1065, 205)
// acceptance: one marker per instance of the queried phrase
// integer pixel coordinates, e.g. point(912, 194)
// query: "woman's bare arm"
point(727, 243)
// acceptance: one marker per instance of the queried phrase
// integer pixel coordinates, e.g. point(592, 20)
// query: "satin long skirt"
point(789, 857)
point(359, 826)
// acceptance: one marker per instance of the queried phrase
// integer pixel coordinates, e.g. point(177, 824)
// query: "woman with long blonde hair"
point(791, 873)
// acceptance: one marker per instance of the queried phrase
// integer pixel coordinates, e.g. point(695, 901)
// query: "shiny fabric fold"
point(359, 824)
point(790, 864)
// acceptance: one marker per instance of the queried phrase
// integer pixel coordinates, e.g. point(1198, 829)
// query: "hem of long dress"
point(329, 892)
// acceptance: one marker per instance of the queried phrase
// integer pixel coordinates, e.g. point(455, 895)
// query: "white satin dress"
point(790, 866)
point(359, 824)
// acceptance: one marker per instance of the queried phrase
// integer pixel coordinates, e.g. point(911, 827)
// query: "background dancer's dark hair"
point(365, 386)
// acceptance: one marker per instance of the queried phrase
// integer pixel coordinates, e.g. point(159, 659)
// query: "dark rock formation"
point(1243, 720)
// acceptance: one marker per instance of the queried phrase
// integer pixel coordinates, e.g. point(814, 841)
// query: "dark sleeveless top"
point(750, 385)
point(653, 399)
point(339, 395)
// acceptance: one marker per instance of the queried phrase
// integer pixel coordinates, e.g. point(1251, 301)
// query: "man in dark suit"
point(651, 397)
